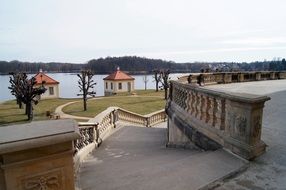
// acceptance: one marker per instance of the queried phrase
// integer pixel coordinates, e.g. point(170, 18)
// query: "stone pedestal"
point(272, 75)
point(227, 77)
point(243, 126)
point(257, 76)
point(38, 155)
point(240, 77)
point(282, 75)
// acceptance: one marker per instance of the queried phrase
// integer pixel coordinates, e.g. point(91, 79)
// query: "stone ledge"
point(37, 134)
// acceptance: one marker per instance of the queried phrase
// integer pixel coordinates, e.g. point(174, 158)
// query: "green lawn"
point(152, 101)
point(11, 114)
point(141, 105)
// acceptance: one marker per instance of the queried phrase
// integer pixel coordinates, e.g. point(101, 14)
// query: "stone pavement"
point(269, 170)
point(136, 158)
point(257, 87)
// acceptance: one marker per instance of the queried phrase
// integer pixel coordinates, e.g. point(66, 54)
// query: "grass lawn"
point(152, 101)
point(141, 105)
point(11, 114)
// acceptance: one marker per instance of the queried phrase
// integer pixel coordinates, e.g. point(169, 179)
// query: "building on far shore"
point(50, 84)
point(118, 82)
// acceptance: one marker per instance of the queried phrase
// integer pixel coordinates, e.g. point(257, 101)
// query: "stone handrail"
point(92, 133)
point(229, 120)
point(230, 77)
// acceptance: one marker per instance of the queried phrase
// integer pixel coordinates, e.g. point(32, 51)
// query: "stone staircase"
point(137, 158)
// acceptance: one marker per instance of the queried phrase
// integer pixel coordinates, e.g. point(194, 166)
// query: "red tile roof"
point(43, 77)
point(118, 75)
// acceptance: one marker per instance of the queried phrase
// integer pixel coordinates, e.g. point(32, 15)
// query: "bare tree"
point(15, 81)
point(164, 79)
point(85, 83)
point(145, 80)
point(27, 93)
point(157, 78)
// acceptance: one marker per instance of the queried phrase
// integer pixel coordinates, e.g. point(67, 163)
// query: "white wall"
point(116, 86)
point(47, 94)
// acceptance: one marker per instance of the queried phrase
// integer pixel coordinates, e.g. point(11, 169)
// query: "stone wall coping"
point(37, 134)
point(153, 113)
point(240, 97)
point(234, 72)
point(97, 119)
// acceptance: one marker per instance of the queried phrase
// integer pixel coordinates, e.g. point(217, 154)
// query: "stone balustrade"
point(131, 117)
point(231, 77)
point(38, 155)
point(214, 119)
point(147, 120)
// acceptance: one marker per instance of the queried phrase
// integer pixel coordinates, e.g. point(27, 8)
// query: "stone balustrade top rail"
point(36, 134)
point(230, 77)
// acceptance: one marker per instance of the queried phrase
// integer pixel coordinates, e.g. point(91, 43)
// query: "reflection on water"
point(69, 87)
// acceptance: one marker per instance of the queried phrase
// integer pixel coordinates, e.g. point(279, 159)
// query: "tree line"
point(139, 65)
point(28, 67)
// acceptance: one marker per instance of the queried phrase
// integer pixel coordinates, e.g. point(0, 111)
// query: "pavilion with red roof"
point(118, 82)
point(49, 83)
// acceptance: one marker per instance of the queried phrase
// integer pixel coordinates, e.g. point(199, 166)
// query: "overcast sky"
point(178, 30)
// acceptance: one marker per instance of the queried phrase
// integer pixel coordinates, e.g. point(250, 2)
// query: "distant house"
point(50, 84)
point(118, 82)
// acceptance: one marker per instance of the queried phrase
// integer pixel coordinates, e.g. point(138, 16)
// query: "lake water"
point(69, 88)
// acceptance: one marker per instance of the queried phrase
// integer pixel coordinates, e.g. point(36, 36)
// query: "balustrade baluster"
point(210, 111)
point(203, 108)
point(197, 105)
point(189, 102)
point(220, 114)
point(193, 103)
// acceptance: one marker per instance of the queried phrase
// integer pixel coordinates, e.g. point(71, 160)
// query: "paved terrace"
point(269, 170)
point(136, 157)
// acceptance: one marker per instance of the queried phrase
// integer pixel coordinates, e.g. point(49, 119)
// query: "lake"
point(69, 88)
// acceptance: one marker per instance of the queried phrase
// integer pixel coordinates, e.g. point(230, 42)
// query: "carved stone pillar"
point(38, 155)
point(282, 75)
point(240, 77)
point(243, 121)
point(227, 77)
point(258, 76)
point(272, 75)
